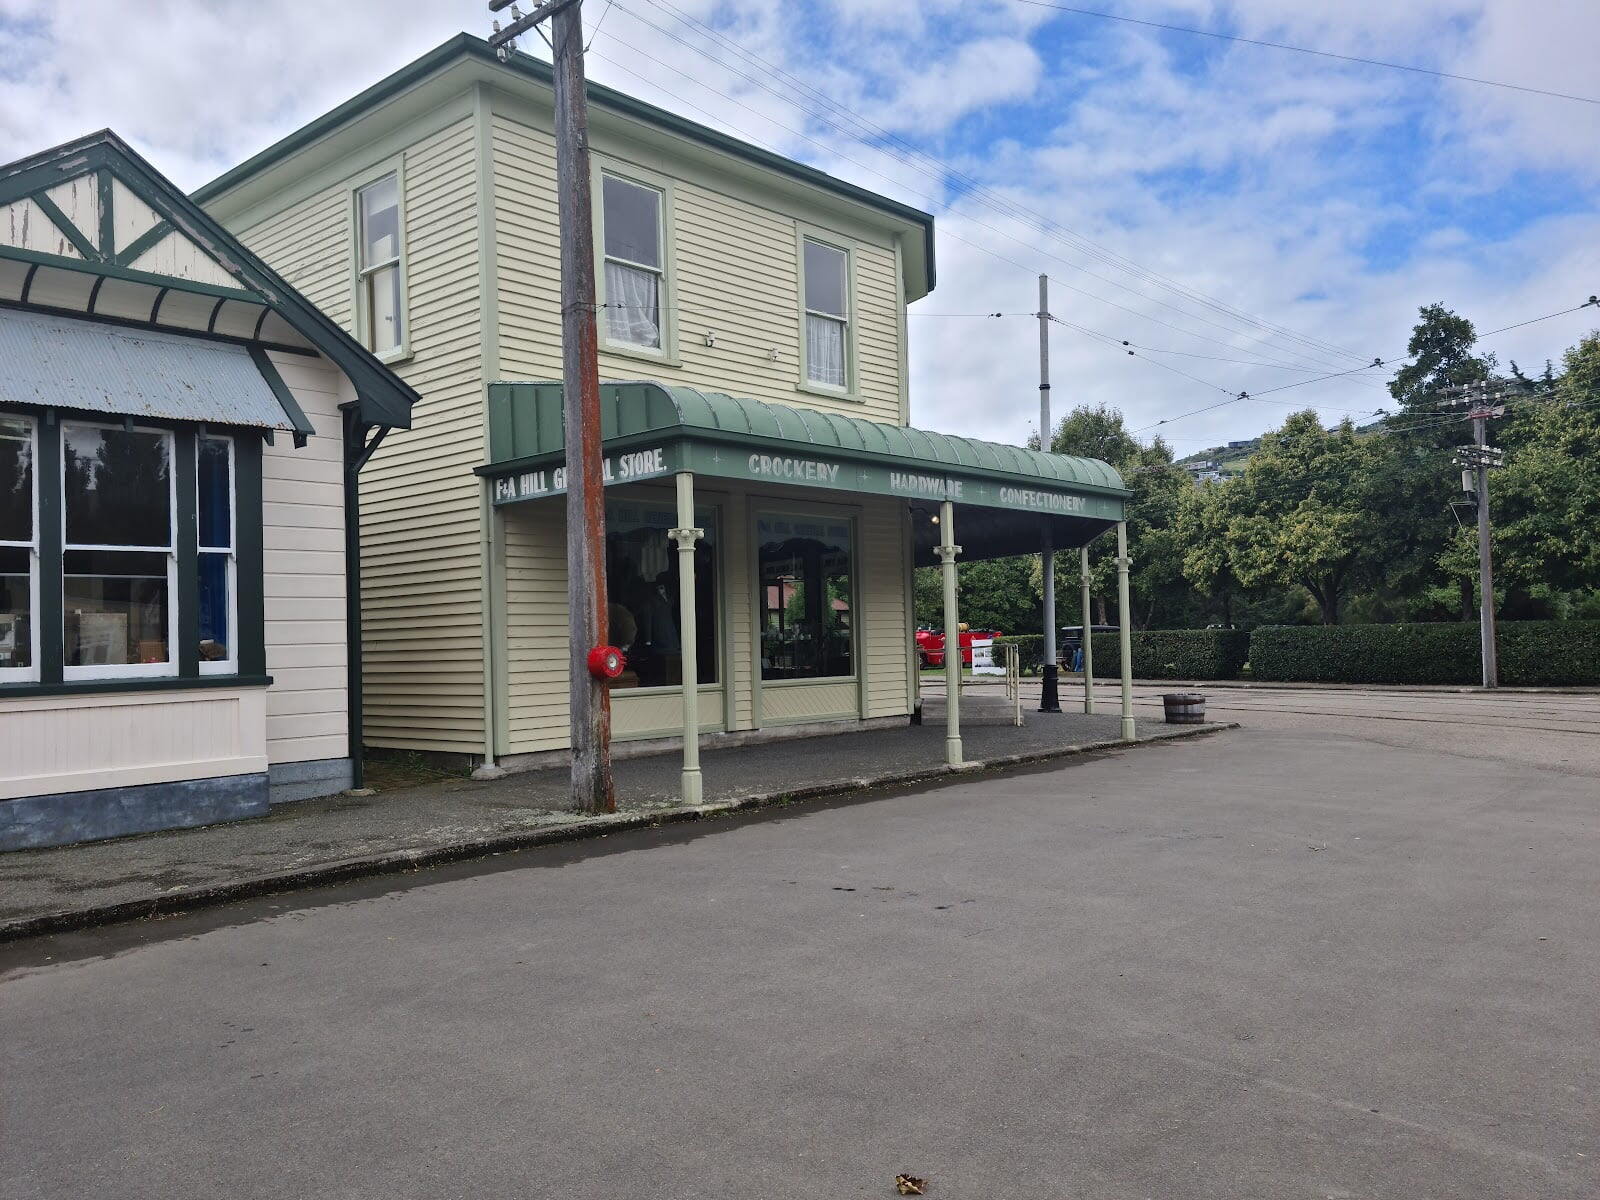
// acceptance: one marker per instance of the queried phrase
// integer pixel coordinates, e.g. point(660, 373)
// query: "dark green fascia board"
point(286, 401)
point(671, 434)
point(465, 45)
point(155, 683)
point(386, 399)
point(112, 270)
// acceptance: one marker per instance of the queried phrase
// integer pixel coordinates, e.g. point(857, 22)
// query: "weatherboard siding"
point(734, 280)
point(422, 622)
point(302, 495)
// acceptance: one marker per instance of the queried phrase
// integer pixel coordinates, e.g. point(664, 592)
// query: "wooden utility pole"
point(1049, 694)
point(1483, 400)
point(589, 700)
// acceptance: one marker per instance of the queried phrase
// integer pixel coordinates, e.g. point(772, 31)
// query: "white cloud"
point(1252, 175)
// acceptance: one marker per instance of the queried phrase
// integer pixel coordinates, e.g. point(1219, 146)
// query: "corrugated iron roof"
point(63, 362)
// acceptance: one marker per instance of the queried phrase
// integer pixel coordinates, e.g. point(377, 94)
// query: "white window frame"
point(666, 352)
point(805, 383)
point(127, 670)
point(30, 673)
point(229, 665)
point(360, 271)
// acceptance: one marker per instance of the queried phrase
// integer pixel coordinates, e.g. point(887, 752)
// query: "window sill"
point(390, 358)
point(152, 683)
point(642, 353)
point(817, 389)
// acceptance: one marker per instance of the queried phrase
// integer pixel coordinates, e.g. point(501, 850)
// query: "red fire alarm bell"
point(606, 662)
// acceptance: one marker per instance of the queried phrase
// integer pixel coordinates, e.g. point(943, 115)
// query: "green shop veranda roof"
point(651, 429)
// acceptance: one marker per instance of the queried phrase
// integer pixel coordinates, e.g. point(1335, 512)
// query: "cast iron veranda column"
point(686, 535)
point(947, 551)
point(1085, 580)
point(1125, 631)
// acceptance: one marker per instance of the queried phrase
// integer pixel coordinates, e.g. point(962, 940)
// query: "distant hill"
point(1231, 458)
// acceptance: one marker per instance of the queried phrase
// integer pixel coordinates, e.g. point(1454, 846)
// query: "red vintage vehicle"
point(930, 645)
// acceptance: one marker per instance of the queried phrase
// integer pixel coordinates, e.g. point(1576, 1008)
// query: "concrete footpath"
point(347, 836)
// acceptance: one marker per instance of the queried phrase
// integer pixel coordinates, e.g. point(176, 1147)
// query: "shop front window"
point(118, 562)
point(642, 586)
point(805, 571)
point(19, 549)
point(215, 559)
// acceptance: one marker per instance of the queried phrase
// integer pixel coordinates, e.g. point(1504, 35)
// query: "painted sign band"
point(711, 459)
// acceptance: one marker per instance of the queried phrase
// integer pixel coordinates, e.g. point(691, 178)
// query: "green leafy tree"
point(1545, 504)
point(1304, 513)
point(1416, 479)
point(1159, 593)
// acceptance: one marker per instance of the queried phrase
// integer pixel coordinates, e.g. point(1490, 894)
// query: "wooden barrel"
point(1185, 708)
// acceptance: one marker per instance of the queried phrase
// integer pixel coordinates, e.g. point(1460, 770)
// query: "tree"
point(1202, 530)
point(1303, 513)
point(1159, 593)
point(1545, 504)
point(1417, 479)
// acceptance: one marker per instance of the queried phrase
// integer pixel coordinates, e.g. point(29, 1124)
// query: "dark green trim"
point(249, 556)
point(64, 223)
point(27, 282)
point(286, 401)
point(155, 683)
point(112, 270)
point(174, 330)
point(143, 242)
point(47, 477)
point(108, 221)
point(385, 398)
point(466, 45)
point(187, 531)
point(155, 309)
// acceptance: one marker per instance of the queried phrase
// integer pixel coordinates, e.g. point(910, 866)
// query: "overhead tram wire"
point(982, 224)
point(1346, 58)
point(975, 245)
point(1067, 235)
point(977, 190)
point(1590, 303)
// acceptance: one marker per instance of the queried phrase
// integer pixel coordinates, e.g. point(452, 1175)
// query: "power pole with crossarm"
point(589, 699)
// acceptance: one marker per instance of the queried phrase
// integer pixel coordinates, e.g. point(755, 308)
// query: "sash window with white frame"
point(119, 565)
point(216, 560)
point(379, 268)
point(827, 304)
point(632, 228)
point(19, 550)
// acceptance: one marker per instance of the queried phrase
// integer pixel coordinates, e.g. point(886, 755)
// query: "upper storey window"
point(380, 287)
point(826, 271)
point(631, 217)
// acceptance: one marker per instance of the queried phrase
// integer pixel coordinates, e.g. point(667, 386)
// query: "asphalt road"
point(1282, 962)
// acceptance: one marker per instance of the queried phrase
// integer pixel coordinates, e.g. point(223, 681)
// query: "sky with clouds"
point(1246, 218)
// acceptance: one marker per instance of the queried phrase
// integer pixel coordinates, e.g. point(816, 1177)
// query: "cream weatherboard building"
point(179, 439)
point(753, 340)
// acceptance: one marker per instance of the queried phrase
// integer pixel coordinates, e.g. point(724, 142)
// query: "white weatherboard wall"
point(302, 501)
point(55, 744)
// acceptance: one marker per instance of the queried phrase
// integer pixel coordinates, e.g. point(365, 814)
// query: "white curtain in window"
point(633, 305)
point(825, 351)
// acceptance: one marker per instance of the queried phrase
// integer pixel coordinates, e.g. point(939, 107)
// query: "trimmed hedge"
point(1175, 654)
point(1532, 653)
point(1030, 651)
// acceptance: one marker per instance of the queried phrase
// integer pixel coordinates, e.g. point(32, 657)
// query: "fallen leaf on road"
point(910, 1185)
